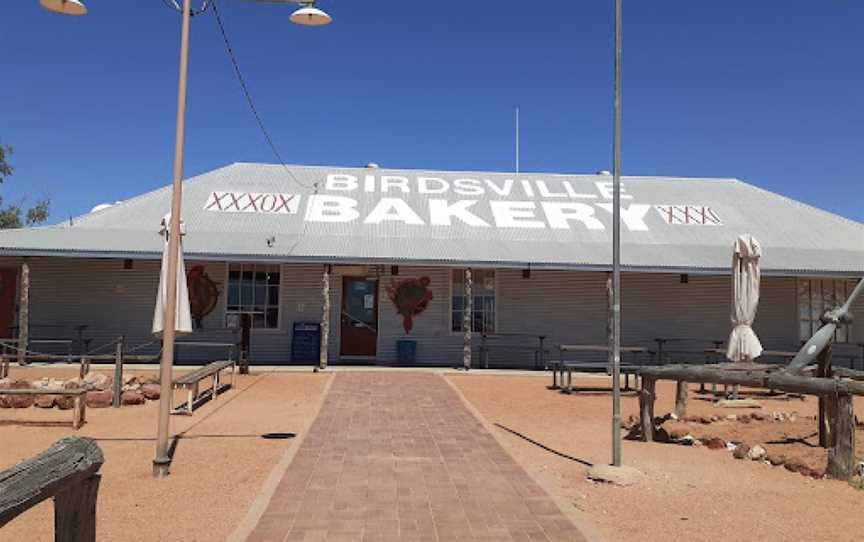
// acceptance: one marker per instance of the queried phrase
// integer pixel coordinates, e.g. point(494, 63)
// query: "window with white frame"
point(253, 289)
point(815, 296)
point(483, 294)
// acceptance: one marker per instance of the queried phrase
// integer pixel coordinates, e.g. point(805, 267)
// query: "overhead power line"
point(251, 102)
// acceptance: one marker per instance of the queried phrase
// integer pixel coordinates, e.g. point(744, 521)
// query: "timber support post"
point(681, 398)
point(325, 319)
point(646, 408)
point(24, 314)
point(245, 343)
point(841, 457)
point(827, 403)
point(118, 373)
point(467, 310)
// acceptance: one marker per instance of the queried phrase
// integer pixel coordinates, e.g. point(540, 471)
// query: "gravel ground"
point(218, 466)
point(690, 491)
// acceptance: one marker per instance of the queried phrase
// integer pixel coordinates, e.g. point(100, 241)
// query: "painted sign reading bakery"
point(479, 203)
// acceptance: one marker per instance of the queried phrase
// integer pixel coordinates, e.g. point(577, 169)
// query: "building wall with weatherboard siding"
point(568, 307)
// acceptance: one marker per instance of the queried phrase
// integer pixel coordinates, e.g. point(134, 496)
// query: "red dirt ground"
point(689, 491)
point(218, 466)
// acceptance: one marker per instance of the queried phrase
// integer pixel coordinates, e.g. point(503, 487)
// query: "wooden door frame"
point(377, 281)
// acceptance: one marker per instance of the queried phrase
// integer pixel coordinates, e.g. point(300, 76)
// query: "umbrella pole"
point(162, 461)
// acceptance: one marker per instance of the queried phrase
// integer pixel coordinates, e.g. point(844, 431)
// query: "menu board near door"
point(306, 342)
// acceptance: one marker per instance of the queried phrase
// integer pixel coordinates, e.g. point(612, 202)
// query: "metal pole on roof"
point(616, 249)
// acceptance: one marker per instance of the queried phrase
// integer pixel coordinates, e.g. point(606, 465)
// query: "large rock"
point(16, 401)
point(44, 401)
point(64, 402)
point(757, 453)
point(97, 381)
point(131, 381)
point(151, 391)
point(99, 398)
point(73, 383)
point(715, 443)
point(776, 459)
point(149, 379)
point(741, 451)
point(132, 397)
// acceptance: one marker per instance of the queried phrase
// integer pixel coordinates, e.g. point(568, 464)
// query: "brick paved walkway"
point(397, 456)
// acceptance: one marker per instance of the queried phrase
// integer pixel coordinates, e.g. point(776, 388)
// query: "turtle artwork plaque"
point(410, 297)
point(203, 294)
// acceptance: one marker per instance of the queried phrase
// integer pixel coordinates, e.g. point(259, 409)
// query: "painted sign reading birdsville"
point(505, 203)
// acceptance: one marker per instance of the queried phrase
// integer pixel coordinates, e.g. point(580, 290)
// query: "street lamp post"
point(307, 15)
point(616, 249)
point(162, 461)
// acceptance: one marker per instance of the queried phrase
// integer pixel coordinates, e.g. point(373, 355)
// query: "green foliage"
point(10, 215)
point(5, 168)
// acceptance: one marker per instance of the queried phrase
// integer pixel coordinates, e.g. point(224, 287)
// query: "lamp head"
point(64, 7)
point(309, 15)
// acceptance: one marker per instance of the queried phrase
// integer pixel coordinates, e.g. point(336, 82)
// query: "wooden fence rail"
point(836, 393)
point(66, 472)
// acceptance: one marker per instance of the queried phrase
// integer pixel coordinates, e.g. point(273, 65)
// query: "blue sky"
point(769, 92)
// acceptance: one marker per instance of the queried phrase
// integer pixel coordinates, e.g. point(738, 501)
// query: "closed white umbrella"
point(744, 345)
point(183, 318)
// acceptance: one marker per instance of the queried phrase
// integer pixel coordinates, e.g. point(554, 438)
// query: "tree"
point(10, 215)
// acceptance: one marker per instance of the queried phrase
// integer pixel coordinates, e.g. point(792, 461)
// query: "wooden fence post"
point(24, 315)
point(75, 511)
point(325, 319)
point(467, 309)
point(827, 404)
point(681, 398)
point(646, 408)
point(841, 458)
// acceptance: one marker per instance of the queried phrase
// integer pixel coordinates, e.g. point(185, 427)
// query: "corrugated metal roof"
point(317, 213)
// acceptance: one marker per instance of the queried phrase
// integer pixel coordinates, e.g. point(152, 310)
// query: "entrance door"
point(359, 317)
point(8, 286)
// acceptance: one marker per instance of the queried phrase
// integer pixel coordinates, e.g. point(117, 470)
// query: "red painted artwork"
point(203, 294)
point(411, 297)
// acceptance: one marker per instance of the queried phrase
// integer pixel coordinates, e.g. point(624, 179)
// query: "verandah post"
point(325, 319)
point(467, 309)
point(646, 408)
point(24, 314)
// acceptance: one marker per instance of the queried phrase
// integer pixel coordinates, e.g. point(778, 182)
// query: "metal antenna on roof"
point(517, 140)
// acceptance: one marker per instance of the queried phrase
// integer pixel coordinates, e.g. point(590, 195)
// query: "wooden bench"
point(569, 367)
point(511, 342)
point(560, 366)
point(79, 409)
point(191, 383)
